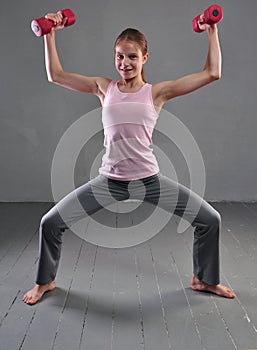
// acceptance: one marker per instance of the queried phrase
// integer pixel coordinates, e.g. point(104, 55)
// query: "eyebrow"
point(131, 53)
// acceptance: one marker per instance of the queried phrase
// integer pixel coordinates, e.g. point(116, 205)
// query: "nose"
point(125, 61)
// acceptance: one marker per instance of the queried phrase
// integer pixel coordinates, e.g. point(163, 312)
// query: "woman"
point(133, 161)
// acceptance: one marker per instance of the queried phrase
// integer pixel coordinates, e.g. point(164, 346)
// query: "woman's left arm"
point(167, 90)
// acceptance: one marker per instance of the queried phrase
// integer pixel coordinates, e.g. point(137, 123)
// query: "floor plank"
point(130, 298)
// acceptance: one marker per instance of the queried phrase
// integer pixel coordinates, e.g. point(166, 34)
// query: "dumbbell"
point(42, 25)
point(211, 15)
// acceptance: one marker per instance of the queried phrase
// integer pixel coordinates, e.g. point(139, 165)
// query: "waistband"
point(145, 179)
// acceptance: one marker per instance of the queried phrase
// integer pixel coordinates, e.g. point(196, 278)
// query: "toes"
point(226, 292)
point(31, 301)
point(231, 294)
point(25, 298)
point(28, 299)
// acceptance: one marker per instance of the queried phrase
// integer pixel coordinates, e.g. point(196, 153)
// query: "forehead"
point(125, 46)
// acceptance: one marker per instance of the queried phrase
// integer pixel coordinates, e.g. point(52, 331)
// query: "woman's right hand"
point(58, 20)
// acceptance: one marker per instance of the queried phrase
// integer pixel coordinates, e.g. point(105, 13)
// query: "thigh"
point(87, 199)
point(162, 191)
point(180, 200)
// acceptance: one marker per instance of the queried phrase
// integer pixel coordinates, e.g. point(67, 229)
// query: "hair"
point(131, 34)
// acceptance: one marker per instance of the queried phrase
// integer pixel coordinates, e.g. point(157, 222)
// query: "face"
point(129, 59)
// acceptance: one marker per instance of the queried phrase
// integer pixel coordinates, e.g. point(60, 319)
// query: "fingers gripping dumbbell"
point(213, 14)
point(42, 25)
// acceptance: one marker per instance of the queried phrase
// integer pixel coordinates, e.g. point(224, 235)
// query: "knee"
point(214, 219)
point(47, 225)
point(51, 224)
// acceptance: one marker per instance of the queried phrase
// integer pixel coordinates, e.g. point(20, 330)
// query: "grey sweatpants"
point(157, 189)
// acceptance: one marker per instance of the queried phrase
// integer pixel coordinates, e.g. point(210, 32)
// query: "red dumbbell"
point(42, 25)
point(211, 15)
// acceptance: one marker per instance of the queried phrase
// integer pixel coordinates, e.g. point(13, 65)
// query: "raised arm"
point(167, 90)
point(55, 72)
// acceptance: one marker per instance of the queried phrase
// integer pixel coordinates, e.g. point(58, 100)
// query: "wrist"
point(212, 29)
point(51, 34)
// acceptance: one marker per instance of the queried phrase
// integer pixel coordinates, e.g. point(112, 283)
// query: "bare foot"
point(218, 289)
point(36, 293)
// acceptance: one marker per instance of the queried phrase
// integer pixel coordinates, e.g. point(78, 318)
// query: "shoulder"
point(159, 88)
point(103, 84)
point(102, 87)
point(159, 91)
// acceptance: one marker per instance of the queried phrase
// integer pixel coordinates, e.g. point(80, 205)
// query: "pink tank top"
point(129, 120)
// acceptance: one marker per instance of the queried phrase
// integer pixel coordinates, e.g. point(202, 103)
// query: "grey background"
point(35, 114)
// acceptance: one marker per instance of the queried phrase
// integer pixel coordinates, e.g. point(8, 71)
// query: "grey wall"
point(35, 114)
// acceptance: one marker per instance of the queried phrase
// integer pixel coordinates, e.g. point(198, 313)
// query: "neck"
point(133, 83)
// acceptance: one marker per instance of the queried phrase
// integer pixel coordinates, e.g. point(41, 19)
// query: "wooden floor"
point(136, 298)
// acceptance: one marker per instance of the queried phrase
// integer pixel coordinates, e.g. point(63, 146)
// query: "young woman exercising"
point(136, 163)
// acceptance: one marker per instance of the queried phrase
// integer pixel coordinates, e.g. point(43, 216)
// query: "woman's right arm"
point(55, 72)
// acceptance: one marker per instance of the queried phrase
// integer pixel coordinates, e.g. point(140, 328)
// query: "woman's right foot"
point(36, 293)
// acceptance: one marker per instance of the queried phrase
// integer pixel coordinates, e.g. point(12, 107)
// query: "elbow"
point(50, 79)
point(53, 77)
point(213, 76)
point(216, 76)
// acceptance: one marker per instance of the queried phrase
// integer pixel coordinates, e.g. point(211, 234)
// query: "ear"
point(145, 57)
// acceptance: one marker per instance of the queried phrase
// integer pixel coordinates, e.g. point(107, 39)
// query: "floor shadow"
point(128, 309)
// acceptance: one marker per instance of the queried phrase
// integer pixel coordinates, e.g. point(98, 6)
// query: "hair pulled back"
point(131, 34)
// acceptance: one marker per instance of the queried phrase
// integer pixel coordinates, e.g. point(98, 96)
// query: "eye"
point(132, 57)
point(120, 57)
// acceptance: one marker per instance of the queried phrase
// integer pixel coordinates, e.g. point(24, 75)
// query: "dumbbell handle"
point(213, 14)
point(42, 25)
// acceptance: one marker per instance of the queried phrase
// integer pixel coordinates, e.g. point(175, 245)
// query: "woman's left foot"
point(218, 289)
